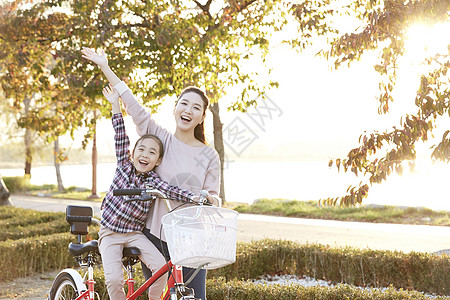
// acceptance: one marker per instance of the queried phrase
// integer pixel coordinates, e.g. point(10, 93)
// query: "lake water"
point(247, 181)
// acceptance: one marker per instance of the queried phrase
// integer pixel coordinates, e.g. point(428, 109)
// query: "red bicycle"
point(199, 237)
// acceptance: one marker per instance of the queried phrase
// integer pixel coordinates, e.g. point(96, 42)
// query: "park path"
point(405, 238)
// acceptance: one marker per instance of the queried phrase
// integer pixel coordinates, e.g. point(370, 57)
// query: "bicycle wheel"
point(66, 286)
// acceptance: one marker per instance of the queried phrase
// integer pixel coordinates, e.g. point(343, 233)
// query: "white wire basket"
point(201, 236)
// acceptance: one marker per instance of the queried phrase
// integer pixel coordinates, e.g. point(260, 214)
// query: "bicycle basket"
point(201, 236)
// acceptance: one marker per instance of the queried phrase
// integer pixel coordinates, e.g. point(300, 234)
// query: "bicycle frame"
point(88, 294)
point(176, 279)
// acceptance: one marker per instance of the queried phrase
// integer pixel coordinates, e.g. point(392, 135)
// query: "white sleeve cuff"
point(121, 87)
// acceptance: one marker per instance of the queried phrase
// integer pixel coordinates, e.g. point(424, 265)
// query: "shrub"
point(11, 216)
point(33, 241)
point(17, 184)
point(20, 258)
point(375, 268)
point(40, 229)
point(219, 288)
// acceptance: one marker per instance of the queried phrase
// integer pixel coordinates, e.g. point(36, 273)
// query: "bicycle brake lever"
point(145, 198)
point(155, 192)
point(204, 197)
point(147, 195)
point(131, 200)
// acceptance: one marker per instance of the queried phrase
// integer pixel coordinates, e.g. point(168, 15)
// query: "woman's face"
point(189, 111)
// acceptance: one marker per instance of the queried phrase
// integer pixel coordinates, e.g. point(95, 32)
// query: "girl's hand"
point(99, 58)
point(111, 94)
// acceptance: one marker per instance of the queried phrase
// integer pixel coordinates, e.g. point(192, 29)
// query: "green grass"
point(21, 184)
point(376, 214)
point(73, 192)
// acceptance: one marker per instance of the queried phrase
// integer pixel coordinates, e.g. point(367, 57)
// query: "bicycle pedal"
point(188, 293)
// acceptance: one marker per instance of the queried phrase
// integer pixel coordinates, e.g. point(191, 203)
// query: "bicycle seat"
point(130, 256)
point(78, 249)
point(131, 252)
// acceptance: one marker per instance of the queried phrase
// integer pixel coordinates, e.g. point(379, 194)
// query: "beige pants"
point(111, 246)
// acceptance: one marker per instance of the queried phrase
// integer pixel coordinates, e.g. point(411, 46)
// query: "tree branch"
point(205, 8)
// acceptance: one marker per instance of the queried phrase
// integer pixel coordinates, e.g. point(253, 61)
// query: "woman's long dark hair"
point(199, 130)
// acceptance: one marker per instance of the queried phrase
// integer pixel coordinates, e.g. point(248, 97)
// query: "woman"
point(188, 162)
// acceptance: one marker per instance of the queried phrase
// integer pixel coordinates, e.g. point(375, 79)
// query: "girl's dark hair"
point(199, 130)
point(153, 137)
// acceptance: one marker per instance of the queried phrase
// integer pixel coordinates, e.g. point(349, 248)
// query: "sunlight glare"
point(424, 41)
point(425, 186)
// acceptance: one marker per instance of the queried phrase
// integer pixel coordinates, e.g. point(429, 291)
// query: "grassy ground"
point(370, 213)
point(72, 192)
point(21, 184)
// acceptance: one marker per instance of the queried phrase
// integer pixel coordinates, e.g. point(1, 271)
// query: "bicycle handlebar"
point(148, 194)
point(126, 192)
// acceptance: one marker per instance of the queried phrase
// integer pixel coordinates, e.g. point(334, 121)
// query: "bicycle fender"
point(76, 277)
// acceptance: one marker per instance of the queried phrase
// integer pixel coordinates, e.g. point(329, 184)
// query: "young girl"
point(188, 162)
point(122, 223)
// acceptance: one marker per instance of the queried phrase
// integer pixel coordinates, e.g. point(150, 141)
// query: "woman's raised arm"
point(140, 116)
point(99, 58)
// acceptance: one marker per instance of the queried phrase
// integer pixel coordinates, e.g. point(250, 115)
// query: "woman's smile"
point(185, 119)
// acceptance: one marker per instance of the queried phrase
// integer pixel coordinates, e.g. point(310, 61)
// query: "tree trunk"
point(218, 144)
point(4, 193)
point(94, 166)
point(58, 166)
point(28, 150)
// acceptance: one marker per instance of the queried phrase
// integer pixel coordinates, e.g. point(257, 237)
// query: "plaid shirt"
point(127, 217)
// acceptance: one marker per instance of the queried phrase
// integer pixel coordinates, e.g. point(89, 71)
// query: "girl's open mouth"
point(143, 162)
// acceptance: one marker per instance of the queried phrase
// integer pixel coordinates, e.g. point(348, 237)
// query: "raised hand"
point(111, 94)
point(99, 58)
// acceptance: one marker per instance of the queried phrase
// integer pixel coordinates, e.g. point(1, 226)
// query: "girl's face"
point(189, 111)
point(146, 155)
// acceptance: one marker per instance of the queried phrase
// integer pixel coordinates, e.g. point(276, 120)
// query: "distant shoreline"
point(14, 165)
point(21, 165)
